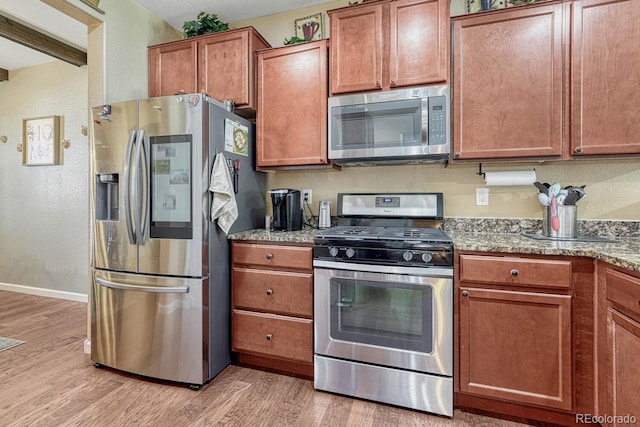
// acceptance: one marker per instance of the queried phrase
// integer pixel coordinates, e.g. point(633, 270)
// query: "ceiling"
point(46, 19)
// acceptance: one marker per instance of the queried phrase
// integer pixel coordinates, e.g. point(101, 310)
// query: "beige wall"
point(44, 209)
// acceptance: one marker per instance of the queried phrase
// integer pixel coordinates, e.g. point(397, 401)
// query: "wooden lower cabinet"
point(272, 301)
point(619, 346)
point(525, 329)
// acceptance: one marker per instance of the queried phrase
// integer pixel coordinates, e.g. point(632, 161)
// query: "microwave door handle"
point(137, 214)
point(127, 189)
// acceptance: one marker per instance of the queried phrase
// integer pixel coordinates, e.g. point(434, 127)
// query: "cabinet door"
point(173, 68)
point(357, 45)
point(623, 365)
point(224, 66)
point(419, 42)
point(516, 346)
point(605, 116)
point(508, 84)
point(292, 105)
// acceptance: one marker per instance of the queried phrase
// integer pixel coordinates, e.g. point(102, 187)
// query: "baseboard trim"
point(71, 296)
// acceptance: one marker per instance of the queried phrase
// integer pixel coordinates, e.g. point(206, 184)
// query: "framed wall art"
point(41, 141)
point(310, 27)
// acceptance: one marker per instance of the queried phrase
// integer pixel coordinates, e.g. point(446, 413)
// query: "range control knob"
point(350, 252)
point(426, 257)
point(407, 256)
point(333, 251)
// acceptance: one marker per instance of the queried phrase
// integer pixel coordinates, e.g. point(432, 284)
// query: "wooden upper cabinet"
point(222, 65)
point(389, 44)
point(227, 65)
point(605, 74)
point(173, 68)
point(419, 42)
point(508, 78)
point(357, 47)
point(291, 121)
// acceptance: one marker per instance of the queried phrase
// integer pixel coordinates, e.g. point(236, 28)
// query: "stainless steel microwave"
point(394, 127)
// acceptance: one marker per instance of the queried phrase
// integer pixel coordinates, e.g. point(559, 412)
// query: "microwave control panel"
point(437, 120)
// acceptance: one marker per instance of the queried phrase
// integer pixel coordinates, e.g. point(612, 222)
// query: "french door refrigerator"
point(160, 287)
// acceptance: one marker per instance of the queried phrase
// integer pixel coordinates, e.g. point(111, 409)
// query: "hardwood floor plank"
point(50, 382)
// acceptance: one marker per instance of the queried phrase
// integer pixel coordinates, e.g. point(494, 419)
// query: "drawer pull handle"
point(269, 337)
point(269, 292)
point(269, 256)
point(515, 273)
point(465, 293)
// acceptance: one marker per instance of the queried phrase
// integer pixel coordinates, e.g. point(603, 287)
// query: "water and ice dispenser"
point(107, 196)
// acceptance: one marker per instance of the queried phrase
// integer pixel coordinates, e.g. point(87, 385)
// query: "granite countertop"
point(623, 252)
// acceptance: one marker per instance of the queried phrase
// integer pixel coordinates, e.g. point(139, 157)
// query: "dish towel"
point(224, 208)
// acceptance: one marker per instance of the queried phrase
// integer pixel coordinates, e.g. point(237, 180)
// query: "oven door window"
point(377, 125)
point(383, 314)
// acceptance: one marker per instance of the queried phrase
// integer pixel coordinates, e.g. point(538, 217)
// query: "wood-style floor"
point(49, 381)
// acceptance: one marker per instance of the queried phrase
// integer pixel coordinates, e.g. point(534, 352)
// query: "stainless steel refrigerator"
point(160, 286)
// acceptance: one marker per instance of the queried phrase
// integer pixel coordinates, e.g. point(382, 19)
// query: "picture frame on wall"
point(310, 27)
point(41, 141)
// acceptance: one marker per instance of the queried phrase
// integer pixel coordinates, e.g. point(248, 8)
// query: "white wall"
point(44, 209)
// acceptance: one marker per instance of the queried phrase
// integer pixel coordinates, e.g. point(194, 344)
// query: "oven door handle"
point(386, 269)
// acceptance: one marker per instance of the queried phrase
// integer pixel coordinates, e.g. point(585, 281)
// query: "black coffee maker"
point(287, 212)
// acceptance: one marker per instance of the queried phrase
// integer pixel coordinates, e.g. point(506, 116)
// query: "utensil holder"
point(568, 219)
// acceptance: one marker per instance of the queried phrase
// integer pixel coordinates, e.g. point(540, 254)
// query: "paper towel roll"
point(510, 178)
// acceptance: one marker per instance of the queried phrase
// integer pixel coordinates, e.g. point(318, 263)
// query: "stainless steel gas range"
point(383, 302)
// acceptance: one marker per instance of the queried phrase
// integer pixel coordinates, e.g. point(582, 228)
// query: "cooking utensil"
point(543, 188)
point(544, 199)
point(554, 190)
point(555, 221)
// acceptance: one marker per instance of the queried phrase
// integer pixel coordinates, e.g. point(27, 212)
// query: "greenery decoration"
point(204, 24)
point(295, 40)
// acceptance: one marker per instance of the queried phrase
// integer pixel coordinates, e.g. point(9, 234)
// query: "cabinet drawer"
point(624, 290)
point(277, 256)
point(515, 271)
point(274, 291)
point(272, 335)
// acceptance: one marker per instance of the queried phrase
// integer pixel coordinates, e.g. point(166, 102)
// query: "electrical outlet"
point(306, 197)
point(482, 197)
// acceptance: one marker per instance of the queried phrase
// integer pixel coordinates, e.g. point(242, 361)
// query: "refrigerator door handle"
point(141, 288)
point(127, 189)
point(137, 187)
point(145, 176)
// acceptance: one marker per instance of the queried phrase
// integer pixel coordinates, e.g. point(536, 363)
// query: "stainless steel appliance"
point(159, 268)
point(393, 127)
point(287, 209)
point(324, 214)
point(383, 302)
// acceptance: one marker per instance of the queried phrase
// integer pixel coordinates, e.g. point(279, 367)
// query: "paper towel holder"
point(482, 174)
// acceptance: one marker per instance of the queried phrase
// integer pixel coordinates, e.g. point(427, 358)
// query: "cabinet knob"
point(457, 155)
point(465, 293)
point(514, 273)
point(269, 256)
point(269, 337)
point(378, 83)
point(269, 292)
point(578, 150)
point(393, 82)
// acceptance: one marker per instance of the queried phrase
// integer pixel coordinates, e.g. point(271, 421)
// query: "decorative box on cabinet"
point(524, 325)
point(508, 79)
point(221, 65)
point(291, 125)
point(272, 299)
point(619, 345)
point(389, 44)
